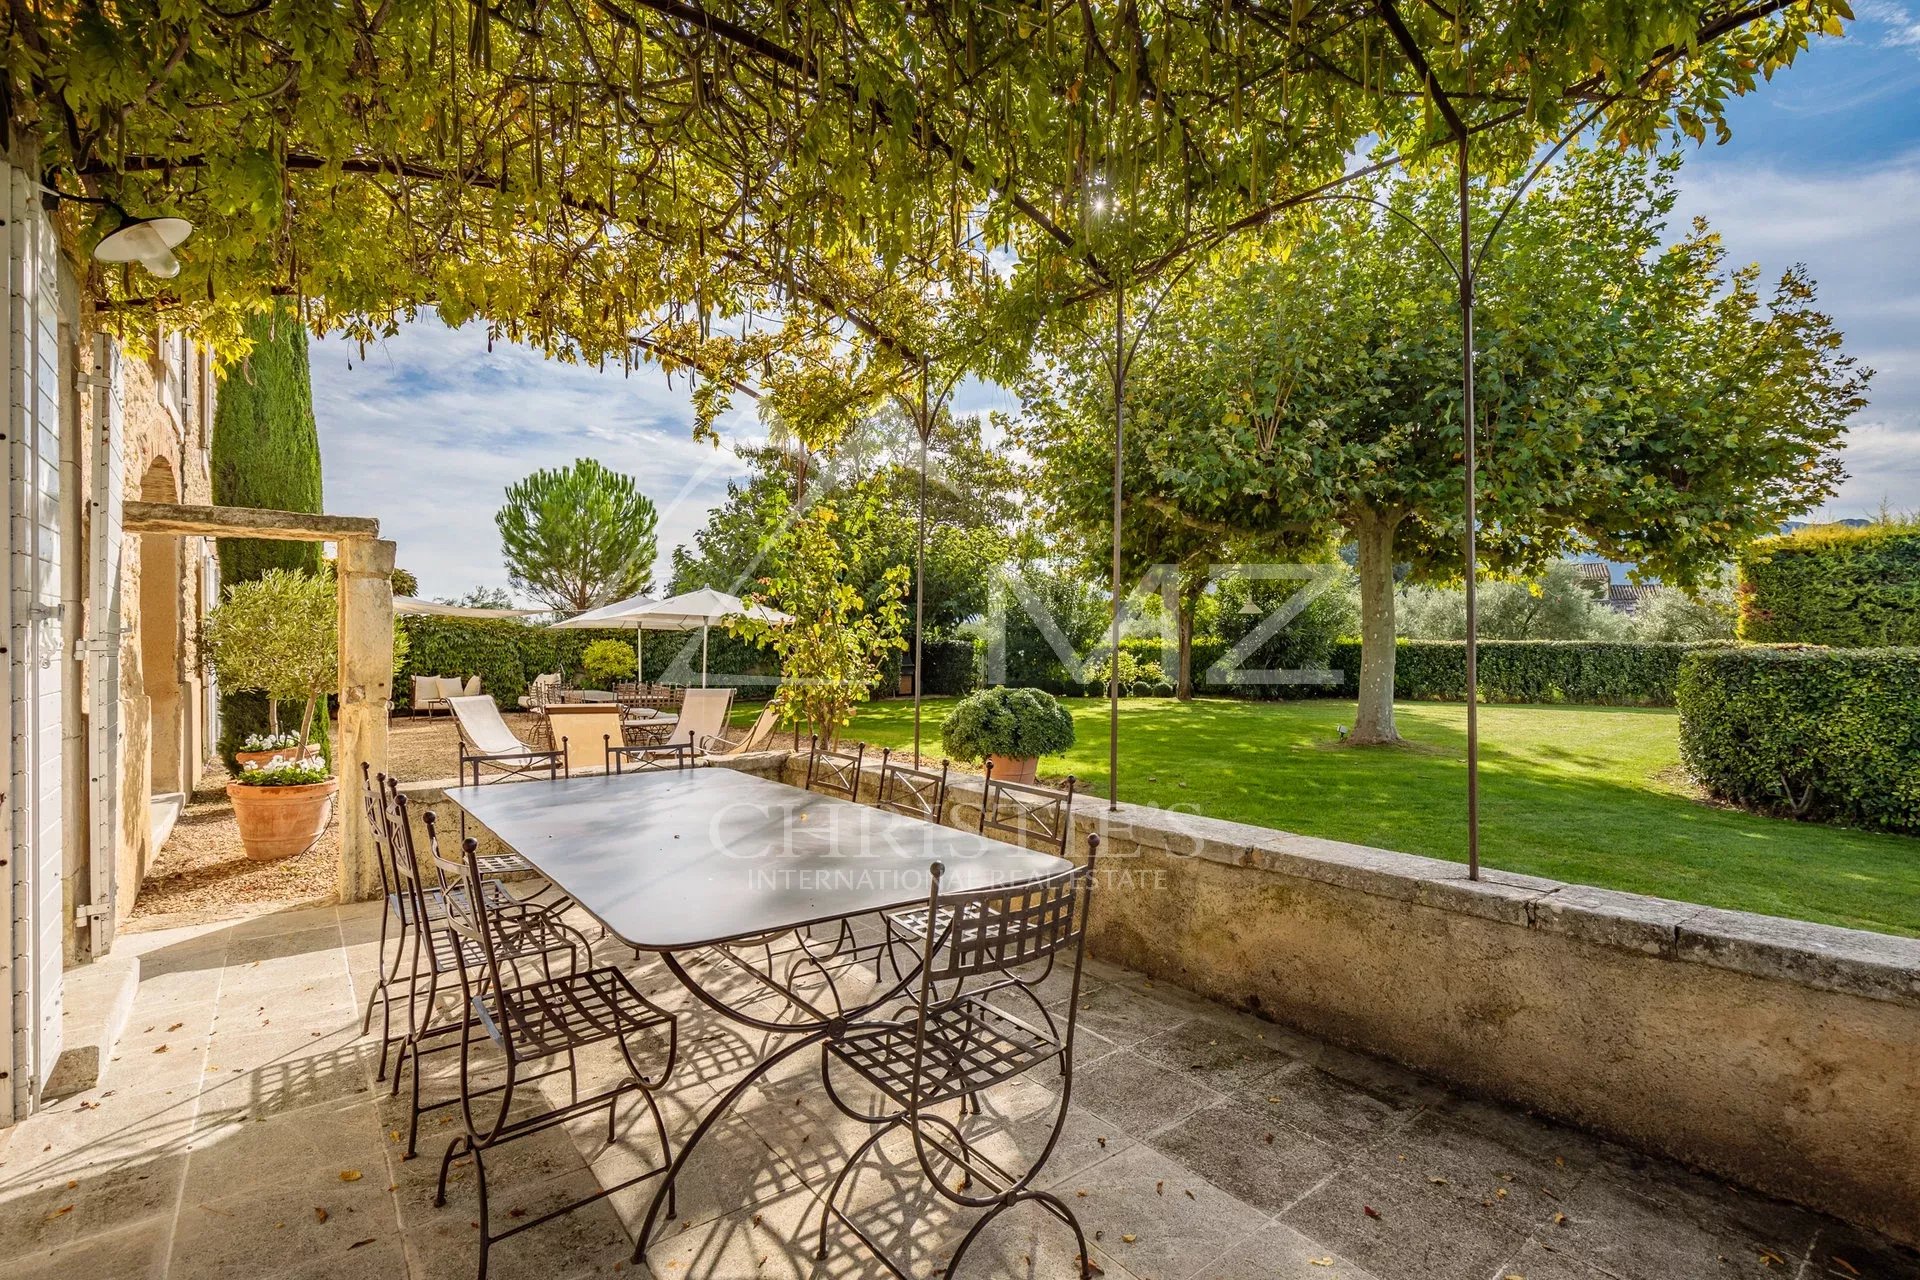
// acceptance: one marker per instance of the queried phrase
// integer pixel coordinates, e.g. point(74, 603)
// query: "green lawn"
point(1587, 794)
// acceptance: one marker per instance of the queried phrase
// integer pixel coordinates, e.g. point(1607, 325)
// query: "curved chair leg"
point(1051, 1202)
point(486, 1233)
point(833, 1192)
point(446, 1163)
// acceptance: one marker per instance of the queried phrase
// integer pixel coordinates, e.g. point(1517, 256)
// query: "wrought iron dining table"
point(715, 860)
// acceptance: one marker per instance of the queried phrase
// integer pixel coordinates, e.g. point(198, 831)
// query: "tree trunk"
point(1183, 631)
point(1373, 718)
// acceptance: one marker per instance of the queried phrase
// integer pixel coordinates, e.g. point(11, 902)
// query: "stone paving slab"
point(238, 1130)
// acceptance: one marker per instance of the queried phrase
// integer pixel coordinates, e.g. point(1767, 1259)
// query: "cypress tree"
point(266, 453)
point(266, 450)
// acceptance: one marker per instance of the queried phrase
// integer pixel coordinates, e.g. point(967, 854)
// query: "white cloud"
point(1894, 23)
point(429, 427)
point(1856, 230)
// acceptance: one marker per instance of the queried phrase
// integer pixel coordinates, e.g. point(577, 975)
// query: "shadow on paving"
point(239, 1131)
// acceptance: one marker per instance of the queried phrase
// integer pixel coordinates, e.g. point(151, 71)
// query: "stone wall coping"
point(1855, 962)
point(1849, 961)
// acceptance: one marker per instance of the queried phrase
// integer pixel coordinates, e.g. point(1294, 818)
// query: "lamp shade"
point(147, 241)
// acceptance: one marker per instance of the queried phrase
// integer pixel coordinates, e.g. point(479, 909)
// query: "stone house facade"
point(109, 719)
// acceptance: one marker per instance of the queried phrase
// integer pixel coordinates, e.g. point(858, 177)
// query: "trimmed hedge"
point(1833, 585)
point(1591, 672)
point(1596, 673)
point(507, 655)
point(949, 667)
point(1828, 734)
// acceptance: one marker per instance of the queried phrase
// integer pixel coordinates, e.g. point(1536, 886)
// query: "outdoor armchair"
point(703, 720)
point(723, 746)
point(582, 732)
point(485, 740)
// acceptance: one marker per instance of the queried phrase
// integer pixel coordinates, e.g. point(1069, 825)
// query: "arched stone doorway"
point(162, 654)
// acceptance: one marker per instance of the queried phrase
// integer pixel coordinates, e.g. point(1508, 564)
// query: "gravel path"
point(203, 873)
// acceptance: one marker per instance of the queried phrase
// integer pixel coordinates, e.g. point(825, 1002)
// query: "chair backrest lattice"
point(834, 771)
point(405, 856)
point(376, 812)
point(468, 914)
point(995, 931)
point(1024, 813)
point(914, 792)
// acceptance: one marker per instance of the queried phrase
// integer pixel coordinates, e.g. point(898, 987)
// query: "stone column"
point(365, 574)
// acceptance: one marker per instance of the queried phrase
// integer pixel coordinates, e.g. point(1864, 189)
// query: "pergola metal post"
point(1466, 273)
point(1119, 440)
point(923, 428)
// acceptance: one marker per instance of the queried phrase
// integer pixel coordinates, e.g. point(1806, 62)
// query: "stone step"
point(96, 1001)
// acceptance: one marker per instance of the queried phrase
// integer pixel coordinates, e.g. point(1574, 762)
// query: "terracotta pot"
point(264, 758)
point(279, 822)
point(1015, 768)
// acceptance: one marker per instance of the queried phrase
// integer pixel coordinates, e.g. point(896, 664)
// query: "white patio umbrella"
point(684, 612)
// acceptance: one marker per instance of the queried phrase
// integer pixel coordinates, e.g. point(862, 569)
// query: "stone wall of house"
point(165, 729)
point(1781, 1055)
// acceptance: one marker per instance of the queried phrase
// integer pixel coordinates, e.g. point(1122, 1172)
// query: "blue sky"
point(428, 428)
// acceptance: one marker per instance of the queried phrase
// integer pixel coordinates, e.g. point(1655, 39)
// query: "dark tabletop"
point(675, 860)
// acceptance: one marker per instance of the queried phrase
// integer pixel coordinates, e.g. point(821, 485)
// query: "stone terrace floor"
point(239, 1132)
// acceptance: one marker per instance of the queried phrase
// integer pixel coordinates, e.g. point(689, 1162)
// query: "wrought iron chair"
point(534, 1024)
point(1024, 813)
point(524, 932)
point(950, 1043)
point(834, 772)
point(399, 920)
point(650, 757)
point(913, 792)
point(1018, 812)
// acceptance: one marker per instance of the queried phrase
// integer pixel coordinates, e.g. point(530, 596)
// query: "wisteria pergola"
point(711, 184)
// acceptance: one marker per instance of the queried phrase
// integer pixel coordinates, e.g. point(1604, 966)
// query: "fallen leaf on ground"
point(1160, 1188)
point(357, 1243)
point(1321, 1262)
point(61, 1212)
point(349, 1175)
point(175, 1027)
point(161, 1049)
point(1848, 1267)
point(319, 1214)
point(1128, 1239)
point(1370, 1211)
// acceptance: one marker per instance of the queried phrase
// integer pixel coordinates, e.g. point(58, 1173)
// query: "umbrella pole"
point(703, 655)
point(639, 655)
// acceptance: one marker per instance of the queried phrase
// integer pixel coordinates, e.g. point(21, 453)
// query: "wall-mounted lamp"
point(147, 241)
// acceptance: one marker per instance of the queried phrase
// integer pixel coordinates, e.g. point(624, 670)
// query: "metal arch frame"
point(1466, 265)
point(1124, 352)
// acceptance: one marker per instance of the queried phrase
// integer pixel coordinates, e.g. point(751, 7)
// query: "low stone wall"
point(1778, 1054)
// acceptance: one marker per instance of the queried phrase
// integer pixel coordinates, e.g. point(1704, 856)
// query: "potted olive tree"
point(278, 635)
point(1011, 727)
